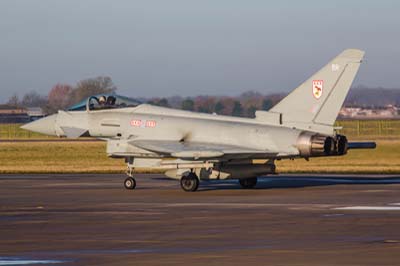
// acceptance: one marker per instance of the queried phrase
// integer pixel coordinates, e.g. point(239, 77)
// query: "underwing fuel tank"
point(230, 171)
point(242, 171)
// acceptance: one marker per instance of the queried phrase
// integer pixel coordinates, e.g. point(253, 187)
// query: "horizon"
point(271, 93)
point(251, 95)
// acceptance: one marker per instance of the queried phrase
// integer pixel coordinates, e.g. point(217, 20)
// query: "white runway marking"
point(15, 261)
point(370, 208)
point(245, 205)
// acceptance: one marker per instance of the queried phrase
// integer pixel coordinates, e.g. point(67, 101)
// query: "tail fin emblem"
point(317, 88)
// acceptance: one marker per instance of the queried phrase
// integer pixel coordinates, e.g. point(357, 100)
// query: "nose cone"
point(45, 125)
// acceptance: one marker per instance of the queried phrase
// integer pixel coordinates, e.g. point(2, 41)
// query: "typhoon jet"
point(193, 147)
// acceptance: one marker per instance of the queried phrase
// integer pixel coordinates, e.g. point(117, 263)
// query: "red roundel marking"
point(136, 122)
point(150, 123)
point(144, 123)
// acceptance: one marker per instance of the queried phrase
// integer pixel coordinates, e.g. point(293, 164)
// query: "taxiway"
point(286, 220)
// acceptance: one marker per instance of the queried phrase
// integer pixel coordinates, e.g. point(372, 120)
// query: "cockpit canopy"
point(104, 101)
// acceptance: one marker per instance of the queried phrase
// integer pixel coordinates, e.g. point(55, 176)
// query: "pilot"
point(111, 100)
point(102, 100)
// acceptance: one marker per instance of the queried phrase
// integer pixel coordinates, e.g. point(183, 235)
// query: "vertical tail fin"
point(318, 100)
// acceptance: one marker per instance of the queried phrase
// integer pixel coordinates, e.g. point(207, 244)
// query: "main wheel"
point(130, 183)
point(190, 182)
point(248, 182)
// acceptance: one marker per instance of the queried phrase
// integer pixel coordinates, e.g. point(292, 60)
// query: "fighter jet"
point(193, 147)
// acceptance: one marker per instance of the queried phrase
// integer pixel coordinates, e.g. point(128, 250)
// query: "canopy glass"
point(104, 101)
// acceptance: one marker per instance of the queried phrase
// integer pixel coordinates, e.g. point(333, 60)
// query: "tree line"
point(244, 105)
point(61, 96)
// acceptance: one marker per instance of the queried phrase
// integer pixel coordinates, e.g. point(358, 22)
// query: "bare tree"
point(92, 86)
point(59, 97)
point(227, 103)
point(13, 100)
point(205, 104)
point(33, 99)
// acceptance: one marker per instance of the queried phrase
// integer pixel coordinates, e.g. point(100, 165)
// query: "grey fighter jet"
point(191, 146)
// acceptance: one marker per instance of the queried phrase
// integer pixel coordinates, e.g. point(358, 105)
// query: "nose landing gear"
point(130, 182)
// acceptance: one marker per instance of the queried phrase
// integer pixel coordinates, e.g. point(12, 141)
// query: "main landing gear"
point(190, 182)
point(248, 183)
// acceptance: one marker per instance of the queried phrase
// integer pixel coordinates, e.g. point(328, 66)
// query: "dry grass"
point(13, 131)
point(384, 159)
point(90, 157)
point(355, 129)
point(57, 157)
point(376, 129)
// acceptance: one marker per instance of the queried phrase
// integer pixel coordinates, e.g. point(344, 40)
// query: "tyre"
point(248, 182)
point(190, 183)
point(130, 183)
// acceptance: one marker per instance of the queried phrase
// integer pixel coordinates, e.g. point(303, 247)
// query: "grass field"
point(57, 157)
point(385, 159)
point(370, 129)
point(90, 157)
point(13, 131)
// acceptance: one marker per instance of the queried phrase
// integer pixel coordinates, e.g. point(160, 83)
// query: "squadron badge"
point(317, 88)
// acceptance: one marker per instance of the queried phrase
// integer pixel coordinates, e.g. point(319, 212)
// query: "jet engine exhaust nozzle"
point(315, 145)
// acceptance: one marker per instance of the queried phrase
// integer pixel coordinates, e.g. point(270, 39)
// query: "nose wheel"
point(130, 183)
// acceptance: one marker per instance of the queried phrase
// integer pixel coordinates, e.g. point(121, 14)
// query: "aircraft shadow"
point(281, 182)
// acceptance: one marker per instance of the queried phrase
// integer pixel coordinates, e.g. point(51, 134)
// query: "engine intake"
point(314, 145)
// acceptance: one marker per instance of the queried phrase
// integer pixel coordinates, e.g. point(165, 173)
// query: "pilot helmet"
point(102, 99)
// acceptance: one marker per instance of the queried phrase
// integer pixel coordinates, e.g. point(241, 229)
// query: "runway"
point(30, 140)
point(286, 220)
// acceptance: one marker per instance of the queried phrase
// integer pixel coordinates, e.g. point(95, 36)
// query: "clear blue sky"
point(185, 47)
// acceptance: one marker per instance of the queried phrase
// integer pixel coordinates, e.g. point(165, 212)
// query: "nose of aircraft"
point(45, 125)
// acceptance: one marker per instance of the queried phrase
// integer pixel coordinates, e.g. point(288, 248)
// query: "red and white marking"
point(143, 123)
point(136, 123)
point(151, 123)
point(317, 88)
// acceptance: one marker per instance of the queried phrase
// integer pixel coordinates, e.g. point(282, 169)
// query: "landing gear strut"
point(248, 183)
point(190, 182)
point(130, 182)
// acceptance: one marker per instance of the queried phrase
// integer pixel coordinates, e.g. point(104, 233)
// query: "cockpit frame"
point(104, 102)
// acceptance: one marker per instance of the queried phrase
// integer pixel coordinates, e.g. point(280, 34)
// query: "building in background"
point(35, 113)
point(387, 112)
point(18, 115)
